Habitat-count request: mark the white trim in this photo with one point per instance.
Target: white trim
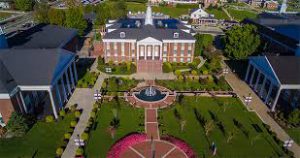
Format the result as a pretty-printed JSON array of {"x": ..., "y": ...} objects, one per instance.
[
  {"x": 179, "y": 41},
  {"x": 290, "y": 86},
  {"x": 273, "y": 70},
  {"x": 34, "y": 88},
  {"x": 4, "y": 96},
  {"x": 119, "y": 40},
  {"x": 52, "y": 103}
]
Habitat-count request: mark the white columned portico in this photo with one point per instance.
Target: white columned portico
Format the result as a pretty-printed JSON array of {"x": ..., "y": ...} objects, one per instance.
[
  {"x": 269, "y": 93},
  {"x": 52, "y": 103},
  {"x": 64, "y": 88},
  {"x": 247, "y": 73},
  {"x": 68, "y": 82},
  {"x": 263, "y": 86},
  {"x": 58, "y": 95},
  {"x": 23, "y": 102},
  {"x": 72, "y": 77},
  {"x": 257, "y": 81},
  {"x": 75, "y": 72},
  {"x": 276, "y": 99}
]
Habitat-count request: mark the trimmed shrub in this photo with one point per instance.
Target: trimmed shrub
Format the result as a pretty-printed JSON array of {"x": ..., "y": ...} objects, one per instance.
[
  {"x": 73, "y": 123},
  {"x": 85, "y": 136},
  {"x": 177, "y": 72},
  {"x": 59, "y": 151},
  {"x": 77, "y": 114},
  {"x": 49, "y": 118},
  {"x": 67, "y": 135},
  {"x": 73, "y": 107},
  {"x": 79, "y": 152},
  {"x": 93, "y": 114}
]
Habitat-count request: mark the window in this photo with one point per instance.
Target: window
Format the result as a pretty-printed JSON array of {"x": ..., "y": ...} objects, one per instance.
[
  {"x": 1, "y": 121},
  {"x": 176, "y": 35},
  {"x": 122, "y": 34},
  {"x": 164, "y": 59},
  {"x": 149, "y": 53},
  {"x": 181, "y": 60},
  {"x": 189, "y": 46},
  {"x": 189, "y": 53},
  {"x": 115, "y": 45},
  {"x": 107, "y": 46},
  {"x": 182, "y": 46},
  {"x": 174, "y": 60},
  {"x": 175, "y": 46},
  {"x": 107, "y": 53},
  {"x": 156, "y": 50},
  {"x": 122, "y": 49},
  {"x": 182, "y": 53},
  {"x": 188, "y": 59},
  {"x": 142, "y": 51}
]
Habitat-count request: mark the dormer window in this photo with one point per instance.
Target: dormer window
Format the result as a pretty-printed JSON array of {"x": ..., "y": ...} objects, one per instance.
[
  {"x": 176, "y": 35},
  {"x": 122, "y": 34}
]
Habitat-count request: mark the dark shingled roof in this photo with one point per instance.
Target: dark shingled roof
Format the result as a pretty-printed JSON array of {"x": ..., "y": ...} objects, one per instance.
[
  {"x": 287, "y": 68},
  {"x": 7, "y": 82},
  {"x": 32, "y": 66},
  {"x": 148, "y": 31},
  {"x": 42, "y": 36}
]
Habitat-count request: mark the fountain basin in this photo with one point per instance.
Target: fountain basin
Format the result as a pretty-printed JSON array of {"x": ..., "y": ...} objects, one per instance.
[{"x": 156, "y": 95}]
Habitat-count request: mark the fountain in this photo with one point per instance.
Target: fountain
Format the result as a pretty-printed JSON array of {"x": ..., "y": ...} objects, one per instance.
[
  {"x": 150, "y": 91},
  {"x": 150, "y": 94}
]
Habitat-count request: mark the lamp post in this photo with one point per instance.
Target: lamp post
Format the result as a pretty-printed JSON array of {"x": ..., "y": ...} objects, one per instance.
[{"x": 248, "y": 99}]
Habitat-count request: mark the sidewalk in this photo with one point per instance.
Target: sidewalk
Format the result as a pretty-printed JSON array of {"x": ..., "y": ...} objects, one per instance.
[
  {"x": 242, "y": 90},
  {"x": 84, "y": 97}
]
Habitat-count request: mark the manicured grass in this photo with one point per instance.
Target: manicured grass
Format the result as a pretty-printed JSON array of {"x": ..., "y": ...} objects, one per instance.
[
  {"x": 4, "y": 15},
  {"x": 295, "y": 134},
  {"x": 172, "y": 11},
  {"x": 42, "y": 140},
  {"x": 194, "y": 134},
  {"x": 218, "y": 13},
  {"x": 194, "y": 84},
  {"x": 100, "y": 139},
  {"x": 240, "y": 15},
  {"x": 114, "y": 84}
]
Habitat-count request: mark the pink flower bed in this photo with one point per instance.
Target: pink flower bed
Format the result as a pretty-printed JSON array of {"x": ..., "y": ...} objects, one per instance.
[
  {"x": 181, "y": 145},
  {"x": 124, "y": 143}
]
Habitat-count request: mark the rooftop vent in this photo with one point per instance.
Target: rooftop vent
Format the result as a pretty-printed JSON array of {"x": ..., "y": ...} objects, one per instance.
[
  {"x": 122, "y": 34},
  {"x": 176, "y": 35}
]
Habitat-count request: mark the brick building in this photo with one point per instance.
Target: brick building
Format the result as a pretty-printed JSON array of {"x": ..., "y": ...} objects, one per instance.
[
  {"x": 148, "y": 42},
  {"x": 38, "y": 71}
]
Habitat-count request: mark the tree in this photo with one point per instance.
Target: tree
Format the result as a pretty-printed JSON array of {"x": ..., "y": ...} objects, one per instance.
[
  {"x": 75, "y": 19},
  {"x": 294, "y": 117},
  {"x": 24, "y": 5},
  {"x": 41, "y": 12},
  {"x": 17, "y": 125},
  {"x": 102, "y": 13},
  {"x": 209, "y": 126},
  {"x": 57, "y": 16},
  {"x": 241, "y": 41},
  {"x": 203, "y": 42},
  {"x": 118, "y": 10}
]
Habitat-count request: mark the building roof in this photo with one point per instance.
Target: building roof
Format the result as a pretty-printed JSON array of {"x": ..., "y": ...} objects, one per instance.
[
  {"x": 42, "y": 36},
  {"x": 164, "y": 31},
  {"x": 286, "y": 68},
  {"x": 31, "y": 66}
]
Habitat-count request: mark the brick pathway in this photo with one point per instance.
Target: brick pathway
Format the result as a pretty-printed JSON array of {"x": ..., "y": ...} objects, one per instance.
[
  {"x": 151, "y": 124},
  {"x": 257, "y": 106}
]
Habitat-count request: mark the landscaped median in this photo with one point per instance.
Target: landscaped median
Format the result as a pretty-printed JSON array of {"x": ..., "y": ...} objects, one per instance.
[
  {"x": 42, "y": 140},
  {"x": 202, "y": 121},
  {"x": 113, "y": 121}
]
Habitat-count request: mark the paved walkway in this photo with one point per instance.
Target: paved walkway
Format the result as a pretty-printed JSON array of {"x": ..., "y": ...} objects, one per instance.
[
  {"x": 151, "y": 124},
  {"x": 242, "y": 90},
  {"x": 84, "y": 97}
]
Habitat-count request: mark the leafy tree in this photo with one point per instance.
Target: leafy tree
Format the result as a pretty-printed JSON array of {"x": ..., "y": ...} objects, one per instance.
[
  {"x": 17, "y": 125},
  {"x": 241, "y": 41},
  {"x": 74, "y": 19},
  {"x": 119, "y": 10},
  {"x": 203, "y": 42},
  {"x": 167, "y": 67},
  {"x": 41, "y": 12},
  {"x": 57, "y": 16},
  {"x": 294, "y": 117},
  {"x": 102, "y": 13},
  {"x": 24, "y": 5}
]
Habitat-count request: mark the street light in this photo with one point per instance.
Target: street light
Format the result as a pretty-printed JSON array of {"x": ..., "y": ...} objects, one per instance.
[{"x": 248, "y": 99}]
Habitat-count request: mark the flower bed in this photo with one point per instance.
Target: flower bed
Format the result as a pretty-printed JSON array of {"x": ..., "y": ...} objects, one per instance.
[
  {"x": 181, "y": 145},
  {"x": 124, "y": 143}
]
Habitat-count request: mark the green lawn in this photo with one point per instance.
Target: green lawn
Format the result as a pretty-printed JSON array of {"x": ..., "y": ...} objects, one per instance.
[
  {"x": 174, "y": 12},
  {"x": 194, "y": 84},
  {"x": 114, "y": 84},
  {"x": 100, "y": 140},
  {"x": 194, "y": 134},
  {"x": 240, "y": 15},
  {"x": 4, "y": 15},
  {"x": 41, "y": 141},
  {"x": 218, "y": 13},
  {"x": 295, "y": 134}
]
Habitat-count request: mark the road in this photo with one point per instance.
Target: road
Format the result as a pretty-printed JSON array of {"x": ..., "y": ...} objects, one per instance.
[{"x": 16, "y": 23}]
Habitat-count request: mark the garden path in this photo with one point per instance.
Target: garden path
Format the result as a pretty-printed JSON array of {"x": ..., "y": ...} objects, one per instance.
[
  {"x": 84, "y": 97},
  {"x": 242, "y": 90}
]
